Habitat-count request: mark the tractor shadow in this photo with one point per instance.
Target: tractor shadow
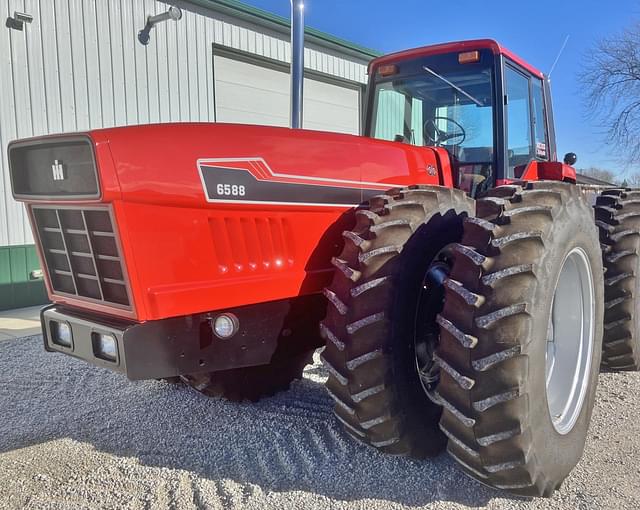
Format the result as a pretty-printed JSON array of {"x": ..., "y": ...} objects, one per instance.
[{"x": 289, "y": 442}]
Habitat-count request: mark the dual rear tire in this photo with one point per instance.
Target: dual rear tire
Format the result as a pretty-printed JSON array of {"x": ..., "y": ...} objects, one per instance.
[
  {"x": 517, "y": 370},
  {"x": 618, "y": 220}
]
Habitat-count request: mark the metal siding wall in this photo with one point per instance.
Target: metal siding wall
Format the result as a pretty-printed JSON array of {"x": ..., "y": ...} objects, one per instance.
[
  {"x": 17, "y": 289},
  {"x": 390, "y": 117},
  {"x": 79, "y": 66}
]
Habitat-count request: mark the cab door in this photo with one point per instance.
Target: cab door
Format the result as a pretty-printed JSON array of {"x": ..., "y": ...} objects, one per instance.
[{"x": 526, "y": 126}]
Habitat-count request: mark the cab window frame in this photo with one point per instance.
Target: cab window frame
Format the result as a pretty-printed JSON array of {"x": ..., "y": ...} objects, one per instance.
[
  {"x": 513, "y": 66},
  {"x": 545, "y": 120},
  {"x": 413, "y": 67}
]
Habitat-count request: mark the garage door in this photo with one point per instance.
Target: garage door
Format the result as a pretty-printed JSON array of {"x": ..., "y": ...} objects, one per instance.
[{"x": 253, "y": 94}]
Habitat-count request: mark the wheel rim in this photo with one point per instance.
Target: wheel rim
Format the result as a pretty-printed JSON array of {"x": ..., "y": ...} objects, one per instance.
[{"x": 570, "y": 341}]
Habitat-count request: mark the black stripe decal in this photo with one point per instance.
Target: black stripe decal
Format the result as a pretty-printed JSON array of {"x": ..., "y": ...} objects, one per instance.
[{"x": 215, "y": 178}]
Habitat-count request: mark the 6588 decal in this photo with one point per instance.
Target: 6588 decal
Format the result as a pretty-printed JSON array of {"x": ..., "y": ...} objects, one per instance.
[
  {"x": 251, "y": 181},
  {"x": 233, "y": 190}
]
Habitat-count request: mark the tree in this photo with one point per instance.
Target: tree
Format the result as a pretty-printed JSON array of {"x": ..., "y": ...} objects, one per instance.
[
  {"x": 633, "y": 180},
  {"x": 611, "y": 85}
]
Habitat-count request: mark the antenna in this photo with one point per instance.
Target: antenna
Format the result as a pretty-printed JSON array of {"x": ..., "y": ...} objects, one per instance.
[{"x": 566, "y": 40}]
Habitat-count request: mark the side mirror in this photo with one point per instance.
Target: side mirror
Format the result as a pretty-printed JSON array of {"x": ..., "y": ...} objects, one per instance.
[{"x": 570, "y": 158}]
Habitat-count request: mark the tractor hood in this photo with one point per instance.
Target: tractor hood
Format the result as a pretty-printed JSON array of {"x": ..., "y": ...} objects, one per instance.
[
  {"x": 195, "y": 164},
  {"x": 192, "y": 164}
]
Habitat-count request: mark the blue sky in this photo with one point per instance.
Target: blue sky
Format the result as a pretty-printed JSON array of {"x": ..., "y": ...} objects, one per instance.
[{"x": 533, "y": 30}]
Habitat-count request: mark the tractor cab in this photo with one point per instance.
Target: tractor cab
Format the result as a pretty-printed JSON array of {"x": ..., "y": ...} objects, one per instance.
[{"x": 489, "y": 109}]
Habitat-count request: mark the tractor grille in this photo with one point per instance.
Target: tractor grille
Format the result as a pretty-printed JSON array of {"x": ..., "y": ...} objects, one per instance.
[{"x": 82, "y": 253}]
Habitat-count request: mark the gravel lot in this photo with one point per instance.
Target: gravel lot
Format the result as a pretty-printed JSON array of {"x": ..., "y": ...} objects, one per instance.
[{"x": 75, "y": 436}]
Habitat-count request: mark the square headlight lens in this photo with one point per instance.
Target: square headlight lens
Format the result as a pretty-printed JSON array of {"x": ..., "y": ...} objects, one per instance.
[
  {"x": 61, "y": 334},
  {"x": 105, "y": 346}
]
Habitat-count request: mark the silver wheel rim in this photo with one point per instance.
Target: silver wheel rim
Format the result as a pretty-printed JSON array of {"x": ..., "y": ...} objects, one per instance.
[{"x": 570, "y": 341}]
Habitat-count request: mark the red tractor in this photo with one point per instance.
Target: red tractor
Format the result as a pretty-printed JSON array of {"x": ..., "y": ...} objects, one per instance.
[{"x": 451, "y": 264}]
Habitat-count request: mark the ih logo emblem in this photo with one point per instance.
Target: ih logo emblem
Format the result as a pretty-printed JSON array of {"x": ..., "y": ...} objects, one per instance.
[{"x": 58, "y": 170}]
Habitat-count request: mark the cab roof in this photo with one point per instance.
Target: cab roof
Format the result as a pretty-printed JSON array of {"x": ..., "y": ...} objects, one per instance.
[{"x": 452, "y": 47}]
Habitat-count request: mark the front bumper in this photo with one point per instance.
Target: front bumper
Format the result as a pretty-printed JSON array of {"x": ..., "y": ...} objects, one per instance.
[{"x": 186, "y": 345}]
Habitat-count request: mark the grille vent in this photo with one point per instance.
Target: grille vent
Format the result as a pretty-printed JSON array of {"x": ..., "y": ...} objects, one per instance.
[{"x": 82, "y": 254}]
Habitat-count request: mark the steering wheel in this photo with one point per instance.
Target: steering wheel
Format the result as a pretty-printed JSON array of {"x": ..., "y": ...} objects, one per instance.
[{"x": 443, "y": 135}]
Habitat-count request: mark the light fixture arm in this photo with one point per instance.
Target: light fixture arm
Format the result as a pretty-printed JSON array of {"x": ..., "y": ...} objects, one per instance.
[{"x": 174, "y": 13}]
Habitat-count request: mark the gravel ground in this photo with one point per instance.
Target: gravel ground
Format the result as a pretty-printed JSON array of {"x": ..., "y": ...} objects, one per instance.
[{"x": 75, "y": 436}]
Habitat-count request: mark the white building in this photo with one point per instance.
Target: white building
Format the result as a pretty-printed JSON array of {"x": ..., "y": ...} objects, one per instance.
[{"x": 78, "y": 65}]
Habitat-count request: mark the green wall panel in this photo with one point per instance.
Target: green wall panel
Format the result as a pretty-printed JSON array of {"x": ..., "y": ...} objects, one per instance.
[{"x": 17, "y": 288}]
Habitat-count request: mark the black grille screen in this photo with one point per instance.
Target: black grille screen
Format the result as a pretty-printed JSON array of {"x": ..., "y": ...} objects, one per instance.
[
  {"x": 82, "y": 254},
  {"x": 60, "y": 167}
]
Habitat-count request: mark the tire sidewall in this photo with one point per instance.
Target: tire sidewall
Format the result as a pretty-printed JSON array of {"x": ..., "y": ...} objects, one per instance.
[{"x": 561, "y": 452}]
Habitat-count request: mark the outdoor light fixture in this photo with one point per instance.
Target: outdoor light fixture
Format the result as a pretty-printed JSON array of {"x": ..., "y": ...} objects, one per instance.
[
  {"x": 174, "y": 13},
  {"x": 18, "y": 20},
  {"x": 36, "y": 274}
]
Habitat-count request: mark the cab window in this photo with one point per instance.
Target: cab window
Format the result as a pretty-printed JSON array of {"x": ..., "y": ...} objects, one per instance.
[
  {"x": 520, "y": 150},
  {"x": 437, "y": 101},
  {"x": 398, "y": 115},
  {"x": 540, "y": 122}
]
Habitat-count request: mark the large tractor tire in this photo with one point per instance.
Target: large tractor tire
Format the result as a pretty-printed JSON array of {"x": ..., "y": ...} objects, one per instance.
[
  {"x": 251, "y": 383},
  {"x": 371, "y": 324},
  {"x": 618, "y": 218},
  {"x": 521, "y": 333}
]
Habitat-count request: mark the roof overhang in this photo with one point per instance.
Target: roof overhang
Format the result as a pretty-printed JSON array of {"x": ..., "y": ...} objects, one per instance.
[{"x": 283, "y": 25}]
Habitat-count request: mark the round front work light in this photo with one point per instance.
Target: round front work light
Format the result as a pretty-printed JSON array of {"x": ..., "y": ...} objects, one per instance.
[{"x": 225, "y": 325}]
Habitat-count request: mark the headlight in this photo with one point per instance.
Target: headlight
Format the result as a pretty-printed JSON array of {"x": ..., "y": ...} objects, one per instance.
[
  {"x": 105, "y": 346},
  {"x": 61, "y": 334}
]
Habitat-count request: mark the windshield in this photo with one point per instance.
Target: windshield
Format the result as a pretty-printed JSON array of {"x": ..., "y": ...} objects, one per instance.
[{"x": 435, "y": 101}]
